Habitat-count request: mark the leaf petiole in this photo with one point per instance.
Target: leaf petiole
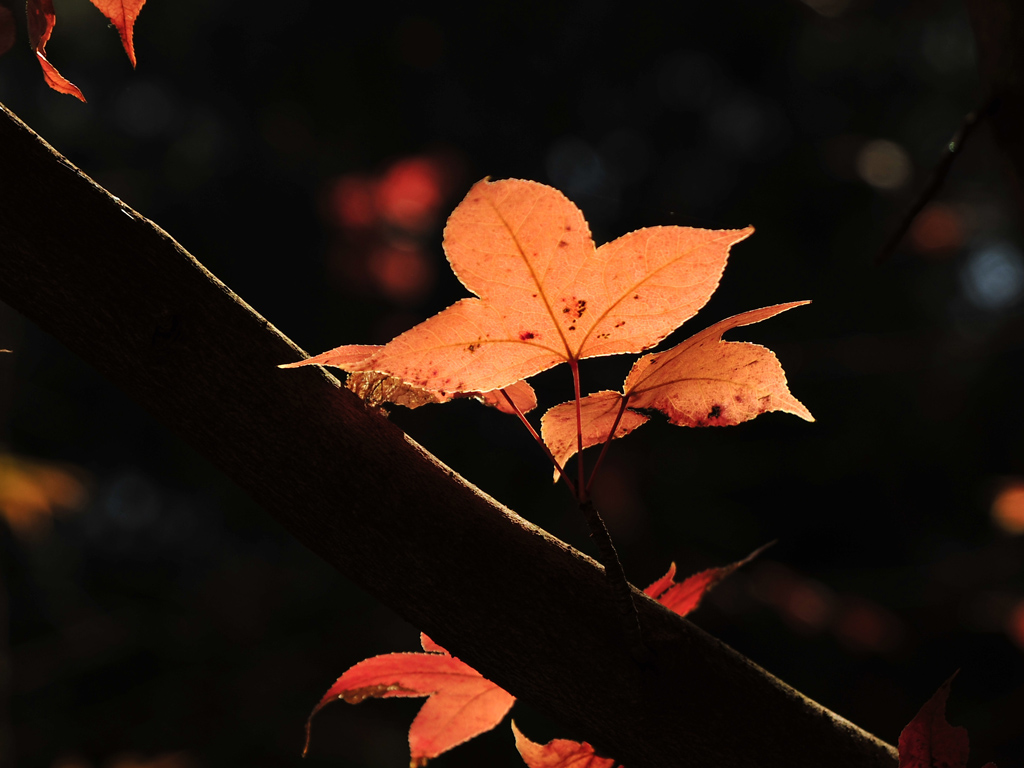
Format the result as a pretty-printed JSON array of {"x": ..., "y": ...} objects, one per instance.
[
  {"x": 540, "y": 442},
  {"x": 607, "y": 442},
  {"x": 582, "y": 495}
]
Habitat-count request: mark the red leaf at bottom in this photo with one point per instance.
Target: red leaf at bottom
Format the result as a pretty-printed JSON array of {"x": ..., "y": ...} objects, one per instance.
[
  {"x": 461, "y": 704},
  {"x": 929, "y": 741},
  {"x": 559, "y": 753}
]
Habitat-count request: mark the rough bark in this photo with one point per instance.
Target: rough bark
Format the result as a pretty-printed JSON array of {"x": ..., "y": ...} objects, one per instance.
[{"x": 525, "y": 609}]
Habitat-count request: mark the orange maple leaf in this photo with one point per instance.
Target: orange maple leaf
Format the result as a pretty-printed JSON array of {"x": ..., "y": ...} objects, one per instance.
[
  {"x": 546, "y": 295},
  {"x": 461, "y": 704},
  {"x": 702, "y": 382}
]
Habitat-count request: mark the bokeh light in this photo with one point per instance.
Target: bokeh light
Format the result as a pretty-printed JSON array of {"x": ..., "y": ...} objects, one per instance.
[
  {"x": 1008, "y": 507},
  {"x": 884, "y": 164}
]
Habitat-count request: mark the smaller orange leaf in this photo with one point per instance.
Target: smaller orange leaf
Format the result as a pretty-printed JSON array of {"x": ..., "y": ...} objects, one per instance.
[
  {"x": 707, "y": 382},
  {"x": 122, "y": 14},
  {"x": 702, "y": 382},
  {"x": 558, "y": 753},
  {"x": 597, "y": 414},
  {"x": 684, "y": 597},
  {"x": 460, "y": 704}
]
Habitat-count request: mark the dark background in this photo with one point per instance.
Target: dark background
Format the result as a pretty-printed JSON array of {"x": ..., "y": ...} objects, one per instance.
[{"x": 308, "y": 154}]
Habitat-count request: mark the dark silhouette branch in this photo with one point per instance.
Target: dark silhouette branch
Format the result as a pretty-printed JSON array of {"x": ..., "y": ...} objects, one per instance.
[
  {"x": 953, "y": 149},
  {"x": 528, "y": 611},
  {"x": 999, "y": 40}
]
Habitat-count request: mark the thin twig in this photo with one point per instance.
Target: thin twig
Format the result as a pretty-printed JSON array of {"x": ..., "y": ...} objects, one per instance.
[
  {"x": 579, "y": 432},
  {"x": 541, "y": 443},
  {"x": 622, "y": 593},
  {"x": 938, "y": 176},
  {"x": 607, "y": 442}
]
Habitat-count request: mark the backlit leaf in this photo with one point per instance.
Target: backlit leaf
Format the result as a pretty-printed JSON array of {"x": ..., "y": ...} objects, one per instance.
[
  {"x": 684, "y": 597},
  {"x": 122, "y": 14},
  {"x": 558, "y": 753},
  {"x": 709, "y": 382},
  {"x": 41, "y": 19},
  {"x": 929, "y": 741},
  {"x": 546, "y": 295},
  {"x": 703, "y": 382},
  {"x": 461, "y": 703},
  {"x": 597, "y": 414}
]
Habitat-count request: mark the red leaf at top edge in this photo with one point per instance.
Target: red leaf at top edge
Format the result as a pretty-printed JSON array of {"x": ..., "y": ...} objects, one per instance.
[{"x": 122, "y": 14}]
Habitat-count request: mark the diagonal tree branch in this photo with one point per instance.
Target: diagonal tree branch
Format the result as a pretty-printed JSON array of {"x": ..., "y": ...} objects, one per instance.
[{"x": 524, "y": 608}]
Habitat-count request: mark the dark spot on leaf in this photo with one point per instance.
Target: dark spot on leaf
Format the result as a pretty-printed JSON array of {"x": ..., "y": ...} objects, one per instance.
[
  {"x": 562, "y": 243},
  {"x": 568, "y": 228},
  {"x": 471, "y": 348},
  {"x": 572, "y": 327},
  {"x": 716, "y": 411},
  {"x": 636, "y": 295},
  {"x": 581, "y": 307},
  {"x": 565, "y": 310},
  {"x": 527, "y": 335},
  {"x": 739, "y": 399},
  {"x": 535, "y": 295},
  {"x": 620, "y": 323}
]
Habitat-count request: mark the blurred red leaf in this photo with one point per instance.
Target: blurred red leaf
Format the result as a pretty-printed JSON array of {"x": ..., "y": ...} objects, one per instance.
[
  {"x": 33, "y": 492},
  {"x": 41, "y": 20},
  {"x": 411, "y": 192},
  {"x": 702, "y": 382},
  {"x": 546, "y": 295},
  {"x": 461, "y": 703},
  {"x": 122, "y": 14},
  {"x": 684, "y": 597},
  {"x": 8, "y": 29},
  {"x": 929, "y": 741},
  {"x": 558, "y": 753}
]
